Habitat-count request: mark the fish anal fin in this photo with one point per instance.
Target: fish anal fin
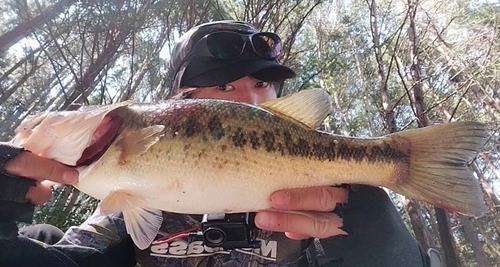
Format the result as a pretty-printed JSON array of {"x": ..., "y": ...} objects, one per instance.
[
  {"x": 134, "y": 142},
  {"x": 308, "y": 107},
  {"x": 120, "y": 200},
  {"x": 142, "y": 225}
]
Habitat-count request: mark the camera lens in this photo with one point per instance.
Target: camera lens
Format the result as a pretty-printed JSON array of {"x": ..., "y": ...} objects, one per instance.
[{"x": 215, "y": 236}]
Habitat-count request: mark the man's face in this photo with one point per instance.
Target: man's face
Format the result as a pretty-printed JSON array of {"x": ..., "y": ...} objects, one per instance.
[{"x": 247, "y": 90}]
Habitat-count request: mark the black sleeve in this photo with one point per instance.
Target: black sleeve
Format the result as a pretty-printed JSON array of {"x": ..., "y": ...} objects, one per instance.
[
  {"x": 376, "y": 236},
  {"x": 13, "y": 204}
]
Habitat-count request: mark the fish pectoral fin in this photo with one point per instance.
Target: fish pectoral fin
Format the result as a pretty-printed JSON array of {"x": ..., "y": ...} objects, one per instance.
[
  {"x": 120, "y": 201},
  {"x": 134, "y": 142},
  {"x": 316, "y": 215},
  {"x": 308, "y": 107},
  {"x": 142, "y": 225}
]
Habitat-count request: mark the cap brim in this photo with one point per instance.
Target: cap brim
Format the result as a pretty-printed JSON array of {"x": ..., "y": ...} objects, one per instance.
[{"x": 223, "y": 72}]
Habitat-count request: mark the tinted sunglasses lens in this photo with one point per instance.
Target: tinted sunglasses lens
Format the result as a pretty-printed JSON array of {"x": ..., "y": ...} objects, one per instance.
[
  {"x": 267, "y": 45},
  {"x": 225, "y": 45}
]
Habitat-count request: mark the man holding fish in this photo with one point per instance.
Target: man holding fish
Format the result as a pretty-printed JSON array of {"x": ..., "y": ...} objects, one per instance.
[{"x": 337, "y": 225}]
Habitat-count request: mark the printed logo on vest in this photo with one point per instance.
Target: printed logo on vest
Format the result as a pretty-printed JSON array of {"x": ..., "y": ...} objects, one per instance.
[{"x": 184, "y": 249}]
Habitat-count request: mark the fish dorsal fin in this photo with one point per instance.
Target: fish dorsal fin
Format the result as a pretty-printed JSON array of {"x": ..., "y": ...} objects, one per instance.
[{"x": 308, "y": 107}]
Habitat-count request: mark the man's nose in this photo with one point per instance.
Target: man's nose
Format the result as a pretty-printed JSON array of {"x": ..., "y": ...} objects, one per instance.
[
  {"x": 248, "y": 95},
  {"x": 249, "y": 98}
]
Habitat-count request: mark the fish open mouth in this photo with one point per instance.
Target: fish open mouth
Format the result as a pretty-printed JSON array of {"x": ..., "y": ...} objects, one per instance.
[{"x": 102, "y": 138}]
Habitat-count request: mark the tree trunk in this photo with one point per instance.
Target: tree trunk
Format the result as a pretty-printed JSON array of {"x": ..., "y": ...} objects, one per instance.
[
  {"x": 471, "y": 236},
  {"x": 116, "y": 36},
  {"x": 24, "y": 28},
  {"x": 490, "y": 165},
  {"x": 447, "y": 242},
  {"x": 29, "y": 57},
  {"x": 7, "y": 93},
  {"x": 366, "y": 100},
  {"x": 420, "y": 230},
  {"x": 412, "y": 206},
  {"x": 139, "y": 75},
  {"x": 9, "y": 125},
  {"x": 86, "y": 84},
  {"x": 461, "y": 73},
  {"x": 491, "y": 198},
  {"x": 388, "y": 112}
]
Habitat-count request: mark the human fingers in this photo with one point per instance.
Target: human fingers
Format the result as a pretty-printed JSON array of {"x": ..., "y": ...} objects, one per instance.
[
  {"x": 29, "y": 165},
  {"x": 295, "y": 236},
  {"x": 40, "y": 193},
  {"x": 299, "y": 226},
  {"x": 324, "y": 198}
]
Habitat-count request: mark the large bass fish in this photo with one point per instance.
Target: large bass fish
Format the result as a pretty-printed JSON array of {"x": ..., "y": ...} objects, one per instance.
[{"x": 198, "y": 156}]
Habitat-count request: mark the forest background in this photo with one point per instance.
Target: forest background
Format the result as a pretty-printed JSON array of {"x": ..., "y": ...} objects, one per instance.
[{"x": 389, "y": 65}]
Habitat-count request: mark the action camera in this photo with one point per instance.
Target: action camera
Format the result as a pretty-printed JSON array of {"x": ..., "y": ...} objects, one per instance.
[{"x": 229, "y": 230}]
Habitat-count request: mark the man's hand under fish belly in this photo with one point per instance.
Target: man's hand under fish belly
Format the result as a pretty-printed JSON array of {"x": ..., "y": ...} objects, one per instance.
[{"x": 298, "y": 226}]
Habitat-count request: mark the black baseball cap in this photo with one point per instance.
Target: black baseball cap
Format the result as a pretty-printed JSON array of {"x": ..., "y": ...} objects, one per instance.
[{"x": 203, "y": 71}]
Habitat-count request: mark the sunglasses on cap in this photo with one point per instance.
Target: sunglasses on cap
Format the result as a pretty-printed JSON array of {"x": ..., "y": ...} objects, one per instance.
[{"x": 230, "y": 45}]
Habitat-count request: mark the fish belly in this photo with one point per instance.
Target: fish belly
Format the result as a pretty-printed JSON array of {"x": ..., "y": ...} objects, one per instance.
[{"x": 206, "y": 178}]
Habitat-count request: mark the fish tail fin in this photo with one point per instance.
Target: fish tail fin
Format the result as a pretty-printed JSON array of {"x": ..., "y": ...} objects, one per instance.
[{"x": 438, "y": 166}]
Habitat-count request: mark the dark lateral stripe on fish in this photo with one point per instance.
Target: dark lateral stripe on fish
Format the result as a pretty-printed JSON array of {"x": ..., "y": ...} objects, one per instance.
[
  {"x": 282, "y": 141},
  {"x": 337, "y": 150}
]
